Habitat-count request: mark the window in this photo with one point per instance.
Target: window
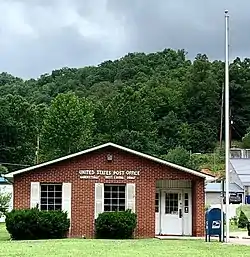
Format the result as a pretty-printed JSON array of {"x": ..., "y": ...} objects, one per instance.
[
  {"x": 51, "y": 197},
  {"x": 157, "y": 202},
  {"x": 171, "y": 203},
  {"x": 114, "y": 197},
  {"x": 186, "y": 203}
]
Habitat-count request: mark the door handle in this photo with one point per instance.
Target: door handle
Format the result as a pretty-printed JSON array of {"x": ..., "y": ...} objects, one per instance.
[{"x": 180, "y": 213}]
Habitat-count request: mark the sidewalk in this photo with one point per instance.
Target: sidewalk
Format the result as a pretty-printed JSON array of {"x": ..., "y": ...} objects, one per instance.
[
  {"x": 239, "y": 235},
  {"x": 240, "y": 241},
  {"x": 239, "y": 238},
  {"x": 234, "y": 236}
]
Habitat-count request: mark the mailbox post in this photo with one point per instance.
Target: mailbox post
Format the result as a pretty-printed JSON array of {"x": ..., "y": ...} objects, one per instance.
[{"x": 213, "y": 223}]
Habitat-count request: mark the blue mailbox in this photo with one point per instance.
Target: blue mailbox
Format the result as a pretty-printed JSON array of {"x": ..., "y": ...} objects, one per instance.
[{"x": 213, "y": 223}]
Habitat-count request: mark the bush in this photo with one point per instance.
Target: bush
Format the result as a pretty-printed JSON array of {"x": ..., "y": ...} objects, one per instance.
[
  {"x": 234, "y": 220},
  {"x": 115, "y": 225},
  {"x": 243, "y": 220},
  {"x": 30, "y": 224},
  {"x": 248, "y": 228}
]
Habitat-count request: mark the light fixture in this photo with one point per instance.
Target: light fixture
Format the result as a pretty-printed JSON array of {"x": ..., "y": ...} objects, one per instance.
[{"x": 109, "y": 157}]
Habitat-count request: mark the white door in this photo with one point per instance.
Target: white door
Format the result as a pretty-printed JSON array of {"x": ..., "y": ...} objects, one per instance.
[
  {"x": 171, "y": 213},
  {"x": 187, "y": 212}
]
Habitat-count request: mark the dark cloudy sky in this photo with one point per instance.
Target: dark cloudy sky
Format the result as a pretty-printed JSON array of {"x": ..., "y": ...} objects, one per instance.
[{"x": 37, "y": 36}]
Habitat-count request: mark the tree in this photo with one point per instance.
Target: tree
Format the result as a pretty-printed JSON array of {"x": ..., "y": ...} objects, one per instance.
[
  {"x": 17, "y": 130},
  {"x": 3, "y": 169},
  {"x": 150, "y": 102},
  {"x": 129, "y": 121},
  {"x": 68, "y": 126},
  {"x": 180, "y": 156},
  {"x": 243, "y": 220},
  {"x": 246, "y": 139},
  {"x": 4, "y": 202},
  {"x": 240, "y": 96},
  {"x": 201, "y": 94},
  {"x": 197, "y": 137}
]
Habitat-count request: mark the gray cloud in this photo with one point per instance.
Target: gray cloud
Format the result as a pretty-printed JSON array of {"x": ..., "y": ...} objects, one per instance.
[{"x": 37, "y": 36}]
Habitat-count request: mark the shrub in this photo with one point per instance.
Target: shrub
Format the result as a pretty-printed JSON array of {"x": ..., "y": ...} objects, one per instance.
[
  {"x": 243, "y": 220},
  {"x": 30, "y": 224},
  {"x": 115, "y": 225},
  {"x": 234, "y": 220},
  {"x": 248, "y": 228}
]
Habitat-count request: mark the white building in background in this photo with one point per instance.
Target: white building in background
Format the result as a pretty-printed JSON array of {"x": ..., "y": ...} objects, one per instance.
[
  {"x": 236, "y": 189},
  {"x": 240, "y": 161},
  {"x": 239, "y": 187},
  {"x": 213, "y": 194},
  {"x": 6, "y": 187},
  {"x": 239, "y": 182}
]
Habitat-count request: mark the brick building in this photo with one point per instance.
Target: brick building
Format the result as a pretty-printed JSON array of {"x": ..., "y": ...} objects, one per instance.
[{"x": 168, "y": 199}]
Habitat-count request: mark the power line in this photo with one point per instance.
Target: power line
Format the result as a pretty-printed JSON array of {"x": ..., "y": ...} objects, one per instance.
[{"x": 14, "y": 164}]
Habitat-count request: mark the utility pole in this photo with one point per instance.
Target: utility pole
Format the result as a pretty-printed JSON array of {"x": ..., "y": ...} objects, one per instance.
[
  {"x": 230, "y": 124},
  {"x": 221, "y": 115},
  {"x": 227, "y": 120},
  {"x": 37, "y": 150},
  {"x": 222, "y": 208}
]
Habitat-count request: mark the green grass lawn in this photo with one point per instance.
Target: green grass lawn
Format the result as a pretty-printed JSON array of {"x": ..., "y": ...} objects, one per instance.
[
  {"x": 111, "y": 248},
  {"x": 245, "y": 209},
  {"x": 234, "y": 228},
  {"x": 3, "y": 233}
]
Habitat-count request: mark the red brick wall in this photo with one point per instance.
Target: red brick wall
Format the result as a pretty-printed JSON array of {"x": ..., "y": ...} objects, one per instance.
[
  {"x": 198, "y": 207},
  {"x": 82, "y": 212}
]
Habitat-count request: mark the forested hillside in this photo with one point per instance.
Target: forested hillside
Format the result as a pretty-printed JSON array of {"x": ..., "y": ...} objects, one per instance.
[{"x": 158, "y": 103}]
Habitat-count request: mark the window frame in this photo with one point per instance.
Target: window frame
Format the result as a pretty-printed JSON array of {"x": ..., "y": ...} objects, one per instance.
[
  {"x": 54, "y": 198},
  {"x": 110, "y": 207},
  {"x": 171, "y": 204}
]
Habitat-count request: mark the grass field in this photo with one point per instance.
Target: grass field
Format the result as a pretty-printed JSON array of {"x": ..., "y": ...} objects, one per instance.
[{"x": 110, "y": 248}]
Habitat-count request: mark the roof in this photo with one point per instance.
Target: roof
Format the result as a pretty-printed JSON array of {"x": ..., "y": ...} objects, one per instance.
[
  {"x": 216, "y": 188},
  {"x": 242, "y": 168},
  {"x": 234, "y": 176},
  {"x": 3, "y": 180},
  {"x": 146, "y": 156}
]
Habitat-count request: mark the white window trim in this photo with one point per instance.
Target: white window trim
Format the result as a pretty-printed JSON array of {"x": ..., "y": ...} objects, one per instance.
[{"x": 35, "y": 195}]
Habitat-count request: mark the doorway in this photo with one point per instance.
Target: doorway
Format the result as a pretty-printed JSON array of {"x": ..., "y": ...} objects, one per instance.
[{"x": 173, "y": 212}]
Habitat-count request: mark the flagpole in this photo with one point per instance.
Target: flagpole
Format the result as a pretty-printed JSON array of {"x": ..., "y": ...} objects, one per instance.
[{"x": 227, "y": 136}]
